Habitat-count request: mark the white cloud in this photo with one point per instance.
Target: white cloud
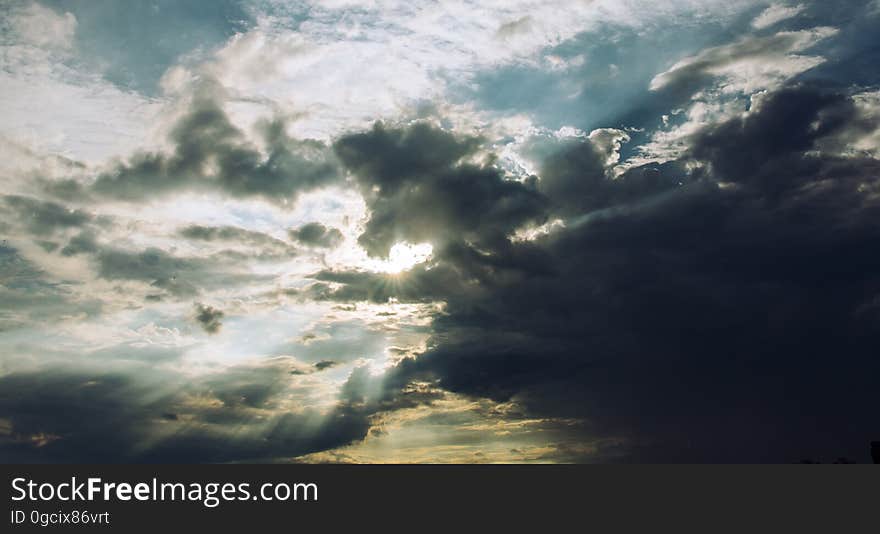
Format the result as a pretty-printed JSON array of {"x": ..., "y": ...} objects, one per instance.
[
  {"x": 863, "y": 140},
  {"x": 670, "y": 143},
  {"x": 62, "y": 113},
  {"x": 350, "y": 63},
  {"x": 607, "y": 141},
  {"x": 723, "y": 79},
  {"x": 775, "y": 14},
  {"x": 749, "y": 64},
  {"x": 353, "y": 62},
  {"x": 347, "y": 64},
  {"x": 40, "y": 26},
  {"x": 50, "y": 106}
]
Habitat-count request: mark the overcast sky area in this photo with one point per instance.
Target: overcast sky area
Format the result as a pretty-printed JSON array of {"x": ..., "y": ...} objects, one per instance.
[{"x": 416, "y": 231}]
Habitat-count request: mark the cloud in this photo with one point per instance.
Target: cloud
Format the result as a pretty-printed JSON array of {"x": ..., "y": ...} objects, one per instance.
[
  {"x": 418, "y": 51},
  {"x": 132, "y": 46},
  {"x": 579, "y": 175},
  {"x": 514, "y": 27},
  {"x": 441, "y": 427},
  {"x": 43, "y": 218},
  {"x": 341, "y": 341},
  {"x": 772, "y": 144},
  {"x": 324, "y": 364},
  {"x": 82, "y": 243},
  {"x": 513, "y": 264},
  {"x": 146, "y": 415},
  {"x": 40, "y": 26},
  {"x": 209, "y": 318},
  {"x": 153, "y": 265},
  {"x": 751, "y": 63},
  {"x": 43, "y": 73},
  {"x": 692, "y": 308},
  {"x": 211, "y": 154},
  {"x": 180, "y": 276},
  {"x": 316, "y": 235},
  {"x": 861, "y": 137},
  {"x": 775, "y": 14},
  {"x": 418, "y": 189},
  {"x": 260, "y": 244},
  {"x": 420, "y": 285},
  {"x": 29, "y": 297}
]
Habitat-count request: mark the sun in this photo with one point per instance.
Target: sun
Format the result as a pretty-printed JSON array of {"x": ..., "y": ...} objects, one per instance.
[{"x": 404, "y": 256}]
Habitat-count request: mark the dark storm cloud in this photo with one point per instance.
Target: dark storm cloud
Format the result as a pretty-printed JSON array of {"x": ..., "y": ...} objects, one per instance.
[
  {"x": 212, "y": 154},
  {"x": 136, "y": 413},
  {"x": 419, "y": 189},
  {"x": 774, "y": 147},
  {"x": 209, "y": 318},
  {"x": 316, "y": 235},
  {"x": 576, "y": 180},
  {"x": 854, "y": 52},
  {"x": 41, "y": 217},
  {"x": 723, "y": 313}
]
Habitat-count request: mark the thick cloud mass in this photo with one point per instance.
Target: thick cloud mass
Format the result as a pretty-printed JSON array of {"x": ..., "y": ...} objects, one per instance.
[
  {"x": 210, "y": 153},
  {"x": 67, "y": 415},
  {"x": 720, "y": 314},
  {"x": 598, "y": 231},
  {"x": 418, "y": 189}
]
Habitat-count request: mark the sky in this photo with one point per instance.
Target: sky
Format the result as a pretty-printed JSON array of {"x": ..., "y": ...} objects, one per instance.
[{"x": 386, "y": 231}]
